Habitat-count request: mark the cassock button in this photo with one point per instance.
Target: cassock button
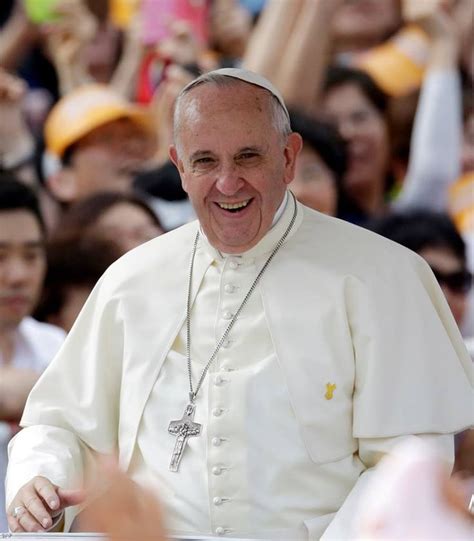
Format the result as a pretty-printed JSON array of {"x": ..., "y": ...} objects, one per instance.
[
  {"x": 216, "y": 470},
  {"x": 217, "y": 412},
  {"x": 217, "y": 500},
  {"x": 216, "y": 442},
  {"x": 227, "y": 315},
  {"x": 220, "y": 530},
  {"x": 233, "y": 265},
  {"x": 229, "y": 288}
]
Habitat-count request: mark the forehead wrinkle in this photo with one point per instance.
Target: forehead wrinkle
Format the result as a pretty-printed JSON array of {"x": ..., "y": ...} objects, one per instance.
[{"x": 195, "y": 103}]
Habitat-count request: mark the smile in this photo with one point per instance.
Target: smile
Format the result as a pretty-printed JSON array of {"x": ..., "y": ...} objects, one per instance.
[{"x": 234, "y": 207}]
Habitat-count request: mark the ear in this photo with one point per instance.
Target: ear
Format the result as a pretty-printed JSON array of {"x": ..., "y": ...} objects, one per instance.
[
  {"x": 292, "y": 149},
  {"x": 63, "y": 185},
  {"x": 173, "y": 154}
]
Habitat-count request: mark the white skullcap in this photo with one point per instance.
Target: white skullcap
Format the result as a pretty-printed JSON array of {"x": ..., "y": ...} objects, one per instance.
[{"x": 248, "y": 77}]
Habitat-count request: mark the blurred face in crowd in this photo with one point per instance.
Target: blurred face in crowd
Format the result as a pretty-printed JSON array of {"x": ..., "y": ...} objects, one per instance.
[
  {"x": 105, "y": 159},
  {"x": 234, "y": 164},
  {"x": 452, "y": 277},
  {"x": 22, "y": 265},
  {"x": 365, "y": 21},
  {"x": 127, "y": 225},
  {"x": 314, "y": 184},
  {"x": 365, "y": 131},
  {"x": 467, "y": 151}
]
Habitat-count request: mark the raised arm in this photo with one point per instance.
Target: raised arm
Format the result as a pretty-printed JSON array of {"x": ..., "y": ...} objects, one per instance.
[
  {"x": 290, "y": 46},
  {"x": 66, "y": 39},
  {"x": 270, "y": 37},
  {"x": 17, "y": 37},
  {"x": 435, "y": 149}
]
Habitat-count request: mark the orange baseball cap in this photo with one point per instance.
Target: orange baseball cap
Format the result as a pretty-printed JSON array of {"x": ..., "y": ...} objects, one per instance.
[
  {"x": 398, "y": 65},
  {"x": 85, "y": 109}
]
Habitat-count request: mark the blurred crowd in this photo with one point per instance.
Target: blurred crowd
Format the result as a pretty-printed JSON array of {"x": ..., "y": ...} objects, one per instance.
[{"x": 380, "y": 90}]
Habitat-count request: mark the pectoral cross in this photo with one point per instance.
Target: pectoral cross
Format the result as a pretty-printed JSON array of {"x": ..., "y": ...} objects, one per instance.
[{"x": 183, "y": 429}]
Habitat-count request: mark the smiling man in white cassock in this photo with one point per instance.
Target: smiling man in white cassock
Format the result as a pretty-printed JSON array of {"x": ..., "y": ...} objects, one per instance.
[{"x": 250, "y": 367}]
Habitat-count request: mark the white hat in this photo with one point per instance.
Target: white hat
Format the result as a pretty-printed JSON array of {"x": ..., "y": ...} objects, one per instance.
[{"x": 248, "y": 77}]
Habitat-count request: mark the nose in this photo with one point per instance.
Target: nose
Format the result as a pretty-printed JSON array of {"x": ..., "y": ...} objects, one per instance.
[
  {"x": 16, "y": 272},
  {"x": 228, "y": 180}
]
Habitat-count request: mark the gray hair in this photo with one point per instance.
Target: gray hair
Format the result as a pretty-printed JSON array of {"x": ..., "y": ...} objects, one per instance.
[{"x": 279, "y": 115}]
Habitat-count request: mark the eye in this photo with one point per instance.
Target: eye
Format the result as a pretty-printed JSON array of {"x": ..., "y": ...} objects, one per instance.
[
  {"x": 203, "y": 163},
  {"x": 361, "y": 116},
  {"x": 34, "y": 254},
  {"x": 247, "y": 157}
]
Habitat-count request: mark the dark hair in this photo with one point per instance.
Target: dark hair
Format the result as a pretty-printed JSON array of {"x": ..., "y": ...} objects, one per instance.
[
  {"x": 419, "y": 229},
  {"x": 72, "y": 261},
  {"x": 337, "y": 76},
  {"x": 324, "y": 139},
  {"x": 86, "y": 212},
  {"x": 15, "y": 195}
]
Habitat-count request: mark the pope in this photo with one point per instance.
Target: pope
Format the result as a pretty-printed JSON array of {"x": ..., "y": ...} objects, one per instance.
[{"x": 251, "y": 367}]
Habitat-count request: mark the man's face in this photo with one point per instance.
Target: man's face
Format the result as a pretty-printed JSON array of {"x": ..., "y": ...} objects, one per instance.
[
  {"x": 106, "y": 159},
  {"x": 22, "y": 265},
  {"x": 233, "y": 163}
]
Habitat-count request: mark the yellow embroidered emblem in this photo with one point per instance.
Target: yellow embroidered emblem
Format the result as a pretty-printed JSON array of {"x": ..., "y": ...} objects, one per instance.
[{"x": 329, "y": 390}]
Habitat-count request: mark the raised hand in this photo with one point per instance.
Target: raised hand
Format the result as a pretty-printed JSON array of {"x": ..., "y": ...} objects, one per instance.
[{"x": 16, "y": 140}]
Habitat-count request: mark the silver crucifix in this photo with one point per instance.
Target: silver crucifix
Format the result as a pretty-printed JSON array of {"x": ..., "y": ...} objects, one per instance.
[{"x": 183, "y": 429}]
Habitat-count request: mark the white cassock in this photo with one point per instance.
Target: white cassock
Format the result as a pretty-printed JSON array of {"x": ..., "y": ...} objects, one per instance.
[{"x": 346, "y": 346}]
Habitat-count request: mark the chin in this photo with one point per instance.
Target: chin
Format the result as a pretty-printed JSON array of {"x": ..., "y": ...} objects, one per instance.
[{"x": 10, "y": 321}]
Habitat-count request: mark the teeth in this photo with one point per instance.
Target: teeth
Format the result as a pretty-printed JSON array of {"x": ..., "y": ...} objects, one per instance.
[{"x": 234, "y": 206}]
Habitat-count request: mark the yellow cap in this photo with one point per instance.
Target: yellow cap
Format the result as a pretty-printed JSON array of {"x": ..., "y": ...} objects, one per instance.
[
  {"x": 461, "y": 202},
  {"x": 398, "y": 65},
  {"x": 85, "y": 109}
]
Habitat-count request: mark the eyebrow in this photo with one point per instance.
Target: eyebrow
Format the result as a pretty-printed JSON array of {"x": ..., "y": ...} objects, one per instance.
[
  {"x": 204, "y": 153},
  {"x": 258, "y": 149}
]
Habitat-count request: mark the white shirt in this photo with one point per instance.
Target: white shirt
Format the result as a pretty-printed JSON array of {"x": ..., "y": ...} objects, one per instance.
[{"x": 35, "y": 345}]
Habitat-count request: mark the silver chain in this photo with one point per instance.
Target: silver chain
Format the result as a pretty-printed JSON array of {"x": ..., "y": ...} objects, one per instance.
[{"x": 192, "y": 393}]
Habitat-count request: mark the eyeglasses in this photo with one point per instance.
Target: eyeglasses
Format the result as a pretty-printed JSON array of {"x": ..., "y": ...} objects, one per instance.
[{"x": 458, "y": 281}]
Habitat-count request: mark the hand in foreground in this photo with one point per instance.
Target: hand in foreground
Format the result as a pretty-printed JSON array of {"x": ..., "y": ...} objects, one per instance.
[
  {"x": 411, "y": 496},
  {"x": 37, "y": 503},
  {"x": 124, "y": 510}
]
